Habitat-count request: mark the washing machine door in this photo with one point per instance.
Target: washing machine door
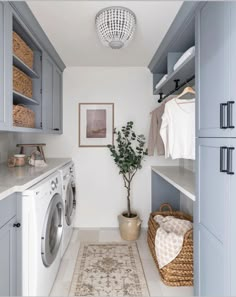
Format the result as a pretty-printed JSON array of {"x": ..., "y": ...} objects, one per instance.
[
  {"x": 70, "y": 202},
  {"x": 52, "y": 230}
]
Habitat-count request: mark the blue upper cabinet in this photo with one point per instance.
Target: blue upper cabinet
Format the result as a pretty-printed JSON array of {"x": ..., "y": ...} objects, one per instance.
[
  {"x": 45, "y": 101},
  {"x": 5, "y": 116},
  {"x": 52, "y": 96},
  {"x": 216, "y": 71},
  {"x": 57, "y": 100},
  {"x": 213, "y": 69}
]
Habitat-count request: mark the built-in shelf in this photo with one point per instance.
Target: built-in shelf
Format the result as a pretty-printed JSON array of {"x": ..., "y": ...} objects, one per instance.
[
  {"x": 183, "y": 72},
  {"x": 25, "y": 129},
  {"x": 179, "y": 177},
  {"x": 22, "y": 99},
  {"x": 22, "y": 66}
]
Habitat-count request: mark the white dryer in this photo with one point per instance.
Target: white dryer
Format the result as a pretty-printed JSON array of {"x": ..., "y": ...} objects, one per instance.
[
  {"x": 42, "y": 229},
  {"x": 69, "y": 200}
]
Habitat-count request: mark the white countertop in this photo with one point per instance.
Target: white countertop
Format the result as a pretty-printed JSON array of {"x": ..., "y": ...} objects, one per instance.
[
  {"x": 18, "y": 179},
  {"x": 181, "y": 178}
]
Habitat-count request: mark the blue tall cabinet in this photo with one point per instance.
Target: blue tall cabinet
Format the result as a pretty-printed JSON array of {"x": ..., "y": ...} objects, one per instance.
[
  {"x": 211, "y": 26},
  {"x": 215, "y": 220}
]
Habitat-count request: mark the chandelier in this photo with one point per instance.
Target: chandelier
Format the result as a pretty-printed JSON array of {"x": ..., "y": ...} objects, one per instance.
[{"x": 115, "y": 26}]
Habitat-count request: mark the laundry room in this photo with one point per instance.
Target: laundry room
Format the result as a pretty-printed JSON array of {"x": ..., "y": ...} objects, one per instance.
[{"x": 117, "y": 153}]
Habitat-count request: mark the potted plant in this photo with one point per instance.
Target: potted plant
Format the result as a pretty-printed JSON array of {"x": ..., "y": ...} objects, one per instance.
[{"x": 128, "y": 154}]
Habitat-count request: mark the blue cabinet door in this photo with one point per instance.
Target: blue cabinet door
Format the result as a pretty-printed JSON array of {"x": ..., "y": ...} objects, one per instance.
[
  {"x": 8, "y": 259},
  {"x": 5, "y": 66},
  {"x": 232, "y": 216},
  {"x": 52, "y": 96},
  {"x": 47, "y": 96},
  {"x": 213, "y": 191},
  {"x": 57, "y": 100},
  {"x": 232, "y": 96},
  {"x": 209, "y": 265},
  {"x": 213, "y": 68},
  {"x": 212, "y": 217}
]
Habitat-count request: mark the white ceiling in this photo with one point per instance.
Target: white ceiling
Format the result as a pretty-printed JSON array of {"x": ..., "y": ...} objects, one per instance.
[{"x": 71, "y": 28}]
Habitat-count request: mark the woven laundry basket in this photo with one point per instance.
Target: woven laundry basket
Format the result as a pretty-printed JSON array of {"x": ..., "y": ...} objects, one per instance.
[
  {"x": 22, "y": 83},
  {"x": 22, "y": 50},
  {"x": 23, "y": 116},
  {"x": 178, "y": 272}
]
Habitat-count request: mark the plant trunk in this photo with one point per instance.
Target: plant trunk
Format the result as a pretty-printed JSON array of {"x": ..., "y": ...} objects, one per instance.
[{"x": 128, "y": 200}]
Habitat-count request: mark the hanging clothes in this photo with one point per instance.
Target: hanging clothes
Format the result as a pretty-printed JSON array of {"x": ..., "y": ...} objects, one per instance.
[
  {"x": 154, "y": 139},
  {"x": 178, "y": 129}
]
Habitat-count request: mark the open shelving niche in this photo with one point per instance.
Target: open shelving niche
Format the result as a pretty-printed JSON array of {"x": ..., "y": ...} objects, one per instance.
[
  {"x": 174, "y": 184},
  {"x": 34, "y": 103},
  {"x": 169, "y": 182},
  {"x": 179, "y": 38}
]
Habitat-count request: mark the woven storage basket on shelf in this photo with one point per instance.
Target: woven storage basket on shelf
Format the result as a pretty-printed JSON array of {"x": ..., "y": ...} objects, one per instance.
[
  {"x": 23, "y": 116},
  {"x": 178, "y": 272},
  {"x": 22, "y": 50},
  {"x": 22, "y": 83}
]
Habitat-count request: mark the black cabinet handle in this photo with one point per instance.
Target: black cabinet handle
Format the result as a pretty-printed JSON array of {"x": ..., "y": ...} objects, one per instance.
[
  {"x": 56, "y": 129},
  {"x": 223, "y": 158},
  {"x": 230, "y": 114},
  {"x": 223, "y": 125},
  {"x": 230, "y": 160},
  {"x": 17, "y": 225}
]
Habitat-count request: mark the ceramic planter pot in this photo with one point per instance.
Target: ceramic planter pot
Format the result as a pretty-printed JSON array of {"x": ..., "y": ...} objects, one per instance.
[{"x": 129, "y": 227}]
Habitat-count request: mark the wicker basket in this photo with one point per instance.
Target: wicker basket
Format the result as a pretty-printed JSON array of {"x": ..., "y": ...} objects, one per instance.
[
  {"x": 22, "y": 83},
  {"x": 178, "y": 272},
  {"x": 22, "y": 50},
  {"x": 23, "y": 116}
]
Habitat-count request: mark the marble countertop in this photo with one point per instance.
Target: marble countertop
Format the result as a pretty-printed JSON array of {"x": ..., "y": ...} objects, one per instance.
[
  {"x": 18, "y": 179},
  {"x": 181, "y": 178}
]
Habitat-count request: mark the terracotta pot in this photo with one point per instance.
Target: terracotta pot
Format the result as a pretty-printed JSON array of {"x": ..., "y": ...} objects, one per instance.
[{"x": 129, "y": 227}]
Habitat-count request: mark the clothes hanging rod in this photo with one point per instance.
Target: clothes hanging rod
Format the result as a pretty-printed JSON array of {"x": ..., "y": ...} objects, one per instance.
[{"x": 177, "y": 87}]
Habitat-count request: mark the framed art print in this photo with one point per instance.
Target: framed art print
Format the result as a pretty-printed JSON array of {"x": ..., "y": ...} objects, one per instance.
[{"x": 96, "y": 124}]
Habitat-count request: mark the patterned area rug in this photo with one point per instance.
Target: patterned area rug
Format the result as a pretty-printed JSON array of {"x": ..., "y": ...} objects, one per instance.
[{"x": 108, "y": 269}]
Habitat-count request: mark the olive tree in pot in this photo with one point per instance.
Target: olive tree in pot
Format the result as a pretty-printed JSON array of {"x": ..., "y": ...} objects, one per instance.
[{"x": 128, "y": 154}]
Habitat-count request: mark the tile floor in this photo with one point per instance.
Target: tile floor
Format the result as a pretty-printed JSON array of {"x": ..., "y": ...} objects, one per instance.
[{"x": 156, "y": 287}]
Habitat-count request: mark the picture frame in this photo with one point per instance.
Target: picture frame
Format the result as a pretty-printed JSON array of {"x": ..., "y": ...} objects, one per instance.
[{"x": 96, "y": 124}]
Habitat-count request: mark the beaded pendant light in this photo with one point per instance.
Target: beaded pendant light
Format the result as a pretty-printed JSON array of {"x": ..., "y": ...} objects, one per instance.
[{"x": 115, "y": 26}]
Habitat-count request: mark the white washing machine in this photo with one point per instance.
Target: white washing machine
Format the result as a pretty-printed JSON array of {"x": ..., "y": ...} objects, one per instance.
[
  {"x": 69, "y": 200},
  {"x": 42, "y": 229}
]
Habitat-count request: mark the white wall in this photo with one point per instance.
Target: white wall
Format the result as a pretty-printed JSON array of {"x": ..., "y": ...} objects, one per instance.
[
  {"x": 100, "y": 189},
  {"x": 8, "y": 143}
]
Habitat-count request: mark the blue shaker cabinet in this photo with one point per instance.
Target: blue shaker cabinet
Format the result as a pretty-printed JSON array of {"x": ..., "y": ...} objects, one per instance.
[
  {"x": 52, "y": 96},
  {"x": 212, "y": 218},
  {"x": 213, "y": 76},
  {"x": 5, "y": 61},
  {"x": 10, "y": 238},
  {"x": 215, "y": 220}
]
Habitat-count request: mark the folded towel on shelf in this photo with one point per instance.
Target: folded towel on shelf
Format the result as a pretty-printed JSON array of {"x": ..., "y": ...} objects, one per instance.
[
  {"x": 169, "y": 238},
  {"x": 161, "y": 81},
  {"x": 184, "y": 57}
]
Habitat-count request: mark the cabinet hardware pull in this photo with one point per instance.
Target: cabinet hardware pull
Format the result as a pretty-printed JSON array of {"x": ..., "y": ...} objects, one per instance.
[
  {"x": 230, "y": 160},
  {"x": 230, "y": 114},
  {"x": 56, "y": 129},
  {"x": 223, "y": 163},
  {"x": 17, "y": 225},
  {"x": 222, "y": 116}
]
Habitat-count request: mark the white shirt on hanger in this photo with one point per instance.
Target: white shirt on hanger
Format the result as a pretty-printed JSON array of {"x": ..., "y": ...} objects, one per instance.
[{"x": 178, "y": 129}]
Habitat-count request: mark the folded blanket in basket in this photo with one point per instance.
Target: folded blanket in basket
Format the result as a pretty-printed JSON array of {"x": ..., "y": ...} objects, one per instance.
[{"x": 169, "y": 238}]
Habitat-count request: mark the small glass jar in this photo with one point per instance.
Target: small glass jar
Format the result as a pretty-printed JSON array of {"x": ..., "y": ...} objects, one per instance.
[{"x": 19, "y": 160}]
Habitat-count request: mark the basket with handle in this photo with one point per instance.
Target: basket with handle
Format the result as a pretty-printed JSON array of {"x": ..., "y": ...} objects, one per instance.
[
  {"x": 178, "y": 272},
  {"x": 23, "y": 116}
]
